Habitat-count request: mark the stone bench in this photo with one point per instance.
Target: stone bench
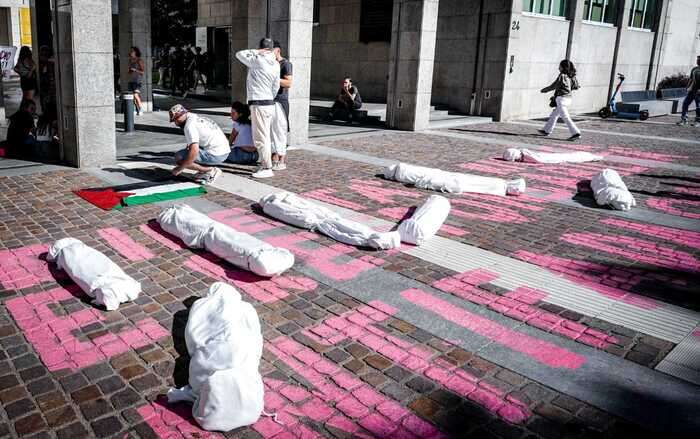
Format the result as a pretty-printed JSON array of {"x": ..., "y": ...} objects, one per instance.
[
  {"x": 675, "y": 96},
  {"x": 644, "y": 100}
]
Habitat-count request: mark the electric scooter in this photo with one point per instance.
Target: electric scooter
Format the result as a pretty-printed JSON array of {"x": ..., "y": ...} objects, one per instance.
[{"x": 611, "y": 109}]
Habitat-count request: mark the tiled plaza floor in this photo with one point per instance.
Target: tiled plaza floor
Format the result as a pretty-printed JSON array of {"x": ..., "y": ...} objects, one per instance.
[{"x": 361, "y": 343}]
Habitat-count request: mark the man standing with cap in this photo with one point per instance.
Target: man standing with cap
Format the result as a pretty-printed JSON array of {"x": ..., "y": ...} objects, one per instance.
[
  {"x": 207, "y": 145},
  {"x": 280, "y": 124},
  {"x": 262, "y": 84}
]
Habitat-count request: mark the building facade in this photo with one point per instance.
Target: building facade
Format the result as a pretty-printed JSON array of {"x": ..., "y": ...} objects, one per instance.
[
  {"x": 15, "y": 23},
  {"x": 491, "y": 57}
]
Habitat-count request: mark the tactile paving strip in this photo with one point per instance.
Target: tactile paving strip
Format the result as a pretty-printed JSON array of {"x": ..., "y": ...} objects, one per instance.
[{"x": 684, "y": 360}]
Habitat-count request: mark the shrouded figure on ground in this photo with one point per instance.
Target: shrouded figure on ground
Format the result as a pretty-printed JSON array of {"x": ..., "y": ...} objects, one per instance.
[
  {"x": 348, "y": 100},
  {"x": 262, "y": 85},
  {"x": 243, "y": 150},
  {"x": 565, "y": 83},
  {"x": 693, "y": 95},
  {"x": 280, "y": 125},
  {"x": 207, "y": 145}
]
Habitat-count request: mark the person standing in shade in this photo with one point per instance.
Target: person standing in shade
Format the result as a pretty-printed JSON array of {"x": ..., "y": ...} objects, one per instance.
[
  {"x": 280, "y": 124},
  {"x": 262, "y": 85},
  {"x": 693, "y": 95},
  {"x": 207, "y": 145},
  {"x": 177, "y": 67},
  {"x": 26, "y": 69},
  {"x": 136, "y": 70},
  {"x": 565, "y": 83}
]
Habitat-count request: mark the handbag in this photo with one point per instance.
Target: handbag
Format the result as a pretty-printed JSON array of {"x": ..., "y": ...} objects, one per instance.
[{"x": 553, "y": 102}]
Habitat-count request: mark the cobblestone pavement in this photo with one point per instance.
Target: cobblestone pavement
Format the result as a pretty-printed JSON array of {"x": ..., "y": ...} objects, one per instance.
[{"x": 362, "y": 343}]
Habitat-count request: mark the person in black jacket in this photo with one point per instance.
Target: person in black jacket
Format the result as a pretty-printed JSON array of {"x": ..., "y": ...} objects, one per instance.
[{"x": 348, "y": 100}]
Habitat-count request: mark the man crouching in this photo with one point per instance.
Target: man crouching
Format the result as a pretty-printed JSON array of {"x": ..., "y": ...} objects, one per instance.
[{"x": 207, "y": 145}]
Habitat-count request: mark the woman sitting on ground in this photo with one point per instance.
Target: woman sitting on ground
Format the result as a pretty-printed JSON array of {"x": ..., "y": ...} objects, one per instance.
[
  {"x": 243, "y": 151},
  {"x": 20, "y": 133}
]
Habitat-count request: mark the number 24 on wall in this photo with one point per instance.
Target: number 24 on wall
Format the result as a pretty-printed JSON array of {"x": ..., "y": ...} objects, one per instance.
[{"x": 515, "y": 25}]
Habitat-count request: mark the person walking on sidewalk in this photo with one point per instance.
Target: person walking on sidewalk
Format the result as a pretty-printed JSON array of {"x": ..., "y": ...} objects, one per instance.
[
  {"x": 136, "y": 70},
  {"x": 207, "y": 145},
  {"x": 280, "y": 124},
  {"x": 262, "y": 85},
  {"x": 693, "y": 95},
  {"x": 565, "y": 83}
]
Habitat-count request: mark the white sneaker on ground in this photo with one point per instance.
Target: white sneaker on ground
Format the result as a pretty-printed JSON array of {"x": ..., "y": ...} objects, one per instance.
[
  {"x": 211, "y": 176},
  {"x": 682, "y": 123},
  {"x": 279, "y": 166},
  {"x": 263, "y": 173}
]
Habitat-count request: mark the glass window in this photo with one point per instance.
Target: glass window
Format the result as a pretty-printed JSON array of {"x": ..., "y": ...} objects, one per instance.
[
  {"x": 601, "y": 11},
  {"x": 546, "y": 7},
  {"x": 643, "y": 14}
]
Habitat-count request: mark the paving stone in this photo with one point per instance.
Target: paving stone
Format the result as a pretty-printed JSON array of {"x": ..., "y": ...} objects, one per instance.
[
  {"x": 106, "y": 427},
  {"x": 86, "y": 394},
  {"x": 132, "y": 371},
  {"x": 553, "y": 413},
  {"x": 145, "y": 382},
  {"x": 73, "y": 382},
  {"x": 60, "y": 417},
  {"x": 357, "y": 351},
  {"x": 397, "y": 373},
  {"x": 95, "y": 409},
  {"x": 337, "y": 355},
  {"x": 29, "y": 424},
  {"x": 50, "y": 401},
  {"x": 420, "y": 384},
  {"x": 110, "y": 384},
  {"x": 33, "y": 373},
  {"x": 41, "y": 386},
  {"x": 397, "y": 392},
  {"x": 424, "y": 406},
  {"x": 97, "y": 371},
  {"x": 19, "y": 408},
  {"x": 378, "y": 362},
  {"x": 12, "y": 394},
  {"x": 125, "y": 398}
]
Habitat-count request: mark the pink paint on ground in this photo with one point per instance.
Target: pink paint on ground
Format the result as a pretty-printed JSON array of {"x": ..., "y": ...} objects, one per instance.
[
  {"x": 325, "y": 196},
  {"x": 637, "y": 154},
  {"x": 414, "y": 357},
  {"x": 243, "y": 221},
  {"x": 123, "y": 244},
  {"x": 637, "y": 250},
  {"x": 682, "y": 237},
  {"x": 399, "y": 213},
  {"x": 485, "y": 211},
  {"x": 259, "y": 288},
  {"x": 329, "y": 261},
  {"x": 170, "y": 421},
  {"x": 22, "y": 268},
  {"x": 155, "y": 231},
  {"x": 539, "y": 350},
  {"x": 53, "y": 336},
  {"x": 374, "y": 191},
  {"x": 335, "y": 404},
  {"x": 613, "y": 283},
  {"x": 519, "y": 305},
  {"x": 676, "y": 207}
]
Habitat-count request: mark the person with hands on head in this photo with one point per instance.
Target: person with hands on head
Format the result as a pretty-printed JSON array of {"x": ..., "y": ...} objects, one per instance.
[
  {"x": 207, "y": 145},
  {"x": 347, "y": 101}
]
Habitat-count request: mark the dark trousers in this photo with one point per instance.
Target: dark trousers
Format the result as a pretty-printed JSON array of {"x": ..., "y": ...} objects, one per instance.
[{"x": 692, "y": 96}]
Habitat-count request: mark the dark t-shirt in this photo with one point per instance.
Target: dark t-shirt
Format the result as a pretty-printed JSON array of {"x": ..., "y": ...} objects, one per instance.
[
  {"x": 285, "y": 70},
  {"x": 21, "y": 125}
]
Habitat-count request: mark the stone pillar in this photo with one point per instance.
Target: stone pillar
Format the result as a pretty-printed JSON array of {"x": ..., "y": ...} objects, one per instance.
[
  {"x": 247, "y": 27},
  {"x": 292, "y": 26},
  {"x": 135, "y": 30},
  {"x": 660, "y": 31},
  {"x": 411, "y": 60},
  {"x": 575, "y": 16},
  {"x": 623, "y": 17},
  {"x": 85, "y": 84}
]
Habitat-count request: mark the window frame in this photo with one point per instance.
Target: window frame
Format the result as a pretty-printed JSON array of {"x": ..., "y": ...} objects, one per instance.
[
  {"x": 633, "y": 9},
  {"x": 601, "y": 22},
  {"x": 529, "y": 10}
]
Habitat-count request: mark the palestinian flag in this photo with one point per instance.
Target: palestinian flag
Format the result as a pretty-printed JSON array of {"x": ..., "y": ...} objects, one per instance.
[{"x": 117, "y": 197}]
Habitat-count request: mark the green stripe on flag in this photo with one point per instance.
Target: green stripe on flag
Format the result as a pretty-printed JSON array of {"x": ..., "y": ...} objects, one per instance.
[{"x": 163, "y": 196}]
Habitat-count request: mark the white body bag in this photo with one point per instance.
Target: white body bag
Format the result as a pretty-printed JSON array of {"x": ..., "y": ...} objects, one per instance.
[
  {"x": 426, "y": 220},
  {"x": 609, "y": 190},
  {"x": 529, "y": 156}
]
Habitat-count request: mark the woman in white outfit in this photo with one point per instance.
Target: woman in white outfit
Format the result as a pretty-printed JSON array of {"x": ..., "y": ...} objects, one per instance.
[{"x": 565, "y": 83}]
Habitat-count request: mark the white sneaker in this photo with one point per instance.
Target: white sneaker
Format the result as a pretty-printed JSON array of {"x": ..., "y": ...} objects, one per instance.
[
  {"x": 211, "y": 176},
  {"x": 682, "y": 123},
  {"x": 263, "y": 173},
  {"x": 279, "y": 166},
  {"x": 200, "y": 176}
]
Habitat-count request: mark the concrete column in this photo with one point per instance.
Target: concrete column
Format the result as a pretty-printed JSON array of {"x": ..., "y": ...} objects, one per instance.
[
  {"x": 85, "y": 90},
  {"x": 247, "y": 27},
  {"x": 411, "y": 60},
  {"x": 135, "y": 30},
  {"x": 660, "y": 31},
  {"x": 292, "y": 26},
  {"x": 575, "y": 16},
  {"x": 623, "y": 17}
]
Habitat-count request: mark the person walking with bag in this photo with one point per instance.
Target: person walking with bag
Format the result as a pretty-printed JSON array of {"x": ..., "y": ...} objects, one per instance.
[{"x": 565, "y": 83}]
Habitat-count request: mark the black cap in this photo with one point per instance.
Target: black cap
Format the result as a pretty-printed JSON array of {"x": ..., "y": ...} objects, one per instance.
[
  {"x": 266, "y": 43},
  {"x": 277, "y": 44}
]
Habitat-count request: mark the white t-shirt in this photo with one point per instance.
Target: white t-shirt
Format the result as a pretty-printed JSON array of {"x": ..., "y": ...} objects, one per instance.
[
  {"x": 207, "y": 134},
  {"x": 245, "y": 135}
]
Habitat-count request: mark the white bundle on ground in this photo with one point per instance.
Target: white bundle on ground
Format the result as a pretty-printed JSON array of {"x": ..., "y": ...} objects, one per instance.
[
  {"x": 454, "y": 182},
  {"x": 225, "y": 342},
  {"x": 240, "y": 249},
  {"x": 529, "y": 156},
  {"x": 186, "y": 223},
  {"x": 609, "y": 190},
  {"x": 95, "y": 273},
  {"x": 299, "y": 212},
  {"x": 426, "y": 220}
]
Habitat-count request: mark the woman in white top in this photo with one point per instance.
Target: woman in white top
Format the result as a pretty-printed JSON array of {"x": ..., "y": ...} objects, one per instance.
[{"x": 243, "y": 151}]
